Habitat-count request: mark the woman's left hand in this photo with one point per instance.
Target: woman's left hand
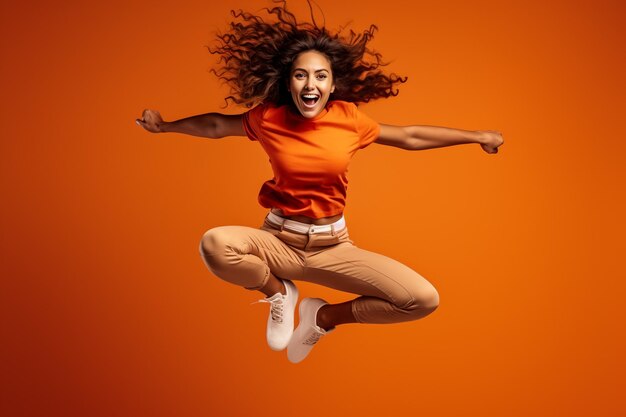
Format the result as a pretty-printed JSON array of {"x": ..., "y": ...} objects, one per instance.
[{"x": 490, "y": 140}]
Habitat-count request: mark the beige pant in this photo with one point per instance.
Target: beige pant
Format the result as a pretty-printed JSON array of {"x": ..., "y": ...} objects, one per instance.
[{"x": 390, "y": 291}]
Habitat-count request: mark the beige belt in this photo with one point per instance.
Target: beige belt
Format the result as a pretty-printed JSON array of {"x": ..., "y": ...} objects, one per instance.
[{"x": 305, "y": 228}]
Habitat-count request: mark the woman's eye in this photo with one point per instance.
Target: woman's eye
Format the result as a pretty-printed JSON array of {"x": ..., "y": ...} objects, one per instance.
[
  {"x": 322, "y": 76},
  {"x": 299, "y": 75}
]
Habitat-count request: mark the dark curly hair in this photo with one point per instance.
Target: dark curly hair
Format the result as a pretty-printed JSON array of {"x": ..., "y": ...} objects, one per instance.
[{"x": 255, "y": 58}]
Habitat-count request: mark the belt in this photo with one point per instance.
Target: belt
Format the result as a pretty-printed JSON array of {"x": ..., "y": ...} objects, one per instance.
[{"x": 305, "y": 228}]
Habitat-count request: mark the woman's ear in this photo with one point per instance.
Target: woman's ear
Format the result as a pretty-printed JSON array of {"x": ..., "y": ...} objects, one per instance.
[{"x": 332, "y": 89}]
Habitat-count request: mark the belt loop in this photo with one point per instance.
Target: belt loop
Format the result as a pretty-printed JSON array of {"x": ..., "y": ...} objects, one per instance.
[{"x": 332, "y": 230}]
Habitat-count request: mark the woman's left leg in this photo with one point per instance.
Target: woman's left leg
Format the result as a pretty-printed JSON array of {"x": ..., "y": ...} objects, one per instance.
[{"x": 391, "y": 292}]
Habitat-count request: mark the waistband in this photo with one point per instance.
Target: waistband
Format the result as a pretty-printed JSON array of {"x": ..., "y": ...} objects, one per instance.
[{"x": 305, "y": 228}]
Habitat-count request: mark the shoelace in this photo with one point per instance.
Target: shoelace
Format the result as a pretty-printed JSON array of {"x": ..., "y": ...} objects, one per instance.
[
  {"x": 313, "y": 338},
  {"x": 276, "y": 309}
]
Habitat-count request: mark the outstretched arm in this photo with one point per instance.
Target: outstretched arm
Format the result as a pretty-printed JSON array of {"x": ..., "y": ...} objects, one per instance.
[
  {"x": 209, "y": 125},
  {"x": 414, "y": 138}
]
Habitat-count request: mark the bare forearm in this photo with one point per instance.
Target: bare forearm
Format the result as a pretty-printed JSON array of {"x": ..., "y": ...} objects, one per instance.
[
  {"x": 427, "y": 137},
  {"x": 203, "y": 125}
]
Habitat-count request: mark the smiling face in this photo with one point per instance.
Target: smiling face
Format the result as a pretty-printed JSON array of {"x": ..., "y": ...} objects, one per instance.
[{"x": 310, "y": 83}]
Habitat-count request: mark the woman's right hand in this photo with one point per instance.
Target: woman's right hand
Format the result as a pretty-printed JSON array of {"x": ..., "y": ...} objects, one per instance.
[
  {"x": 490, "y": 140},
  {"x": 151, "y": 120}
]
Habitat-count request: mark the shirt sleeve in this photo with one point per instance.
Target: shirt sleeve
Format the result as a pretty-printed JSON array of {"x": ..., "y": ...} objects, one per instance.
[
  {"x": 252, "y": 122},
  {"x": 367, "y": 128}
]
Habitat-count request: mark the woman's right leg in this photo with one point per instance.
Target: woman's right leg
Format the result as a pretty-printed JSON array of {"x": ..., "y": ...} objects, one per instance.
[{"x": 249, "y": 257}]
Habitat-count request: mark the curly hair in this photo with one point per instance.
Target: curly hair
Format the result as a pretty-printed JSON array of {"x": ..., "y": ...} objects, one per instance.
[{"x": 256, "y": 56}]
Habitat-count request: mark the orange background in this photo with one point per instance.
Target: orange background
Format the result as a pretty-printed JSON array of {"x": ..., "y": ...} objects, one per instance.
[{"x": 107, "y": 309}]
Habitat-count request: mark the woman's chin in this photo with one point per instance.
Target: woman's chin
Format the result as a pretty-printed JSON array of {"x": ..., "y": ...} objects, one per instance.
[{"x": 310, "y": 112}]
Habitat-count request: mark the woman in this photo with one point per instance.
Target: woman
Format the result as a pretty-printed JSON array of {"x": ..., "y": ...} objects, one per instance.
[{"x": 303, "y": 81}]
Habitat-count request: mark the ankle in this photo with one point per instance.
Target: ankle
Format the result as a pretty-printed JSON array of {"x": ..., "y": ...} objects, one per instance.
[
  {"x": 279, "y": 287},
  {"x": 322, "y": 320},
  {"x": 274, "y": 286}
]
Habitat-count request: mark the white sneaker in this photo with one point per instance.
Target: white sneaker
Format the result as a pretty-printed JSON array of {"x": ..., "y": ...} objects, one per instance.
[
  {"x": 308, "y": 332},
  {"x": 281, "y": 318}
]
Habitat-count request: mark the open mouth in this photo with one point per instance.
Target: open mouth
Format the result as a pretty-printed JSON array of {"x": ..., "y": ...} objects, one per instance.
[{"x": 309, "y": 100}]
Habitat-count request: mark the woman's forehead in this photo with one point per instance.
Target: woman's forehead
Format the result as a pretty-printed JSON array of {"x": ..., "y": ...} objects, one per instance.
[{"x": 311, "y": 60}]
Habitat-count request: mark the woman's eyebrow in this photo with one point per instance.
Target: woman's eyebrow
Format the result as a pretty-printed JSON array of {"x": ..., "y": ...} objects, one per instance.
[{"x": 316, "y": 71}]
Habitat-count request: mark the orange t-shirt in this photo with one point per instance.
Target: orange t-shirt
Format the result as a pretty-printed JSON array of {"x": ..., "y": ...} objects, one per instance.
[{"x": 309, "y": 157}]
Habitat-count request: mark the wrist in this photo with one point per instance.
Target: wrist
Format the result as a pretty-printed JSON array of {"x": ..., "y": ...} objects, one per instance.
[
  {"x": 477, "y": 136},
  {"x": 165, "y": 127}
]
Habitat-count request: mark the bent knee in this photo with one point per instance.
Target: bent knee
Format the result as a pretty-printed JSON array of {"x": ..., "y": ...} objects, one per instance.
[
  {"x": 215, "y": 250},
  {"x": 432, "y": 301},
  {"x": 214, "y": 241},
  {"x": 424, "y": 299}
]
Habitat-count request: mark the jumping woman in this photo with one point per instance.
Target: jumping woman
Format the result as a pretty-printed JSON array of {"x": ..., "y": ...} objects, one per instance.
[{"x": 301, "y": 84}]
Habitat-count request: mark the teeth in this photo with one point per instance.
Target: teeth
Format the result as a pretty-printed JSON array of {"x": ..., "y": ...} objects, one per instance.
[{"x": 309, "y": 96}]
